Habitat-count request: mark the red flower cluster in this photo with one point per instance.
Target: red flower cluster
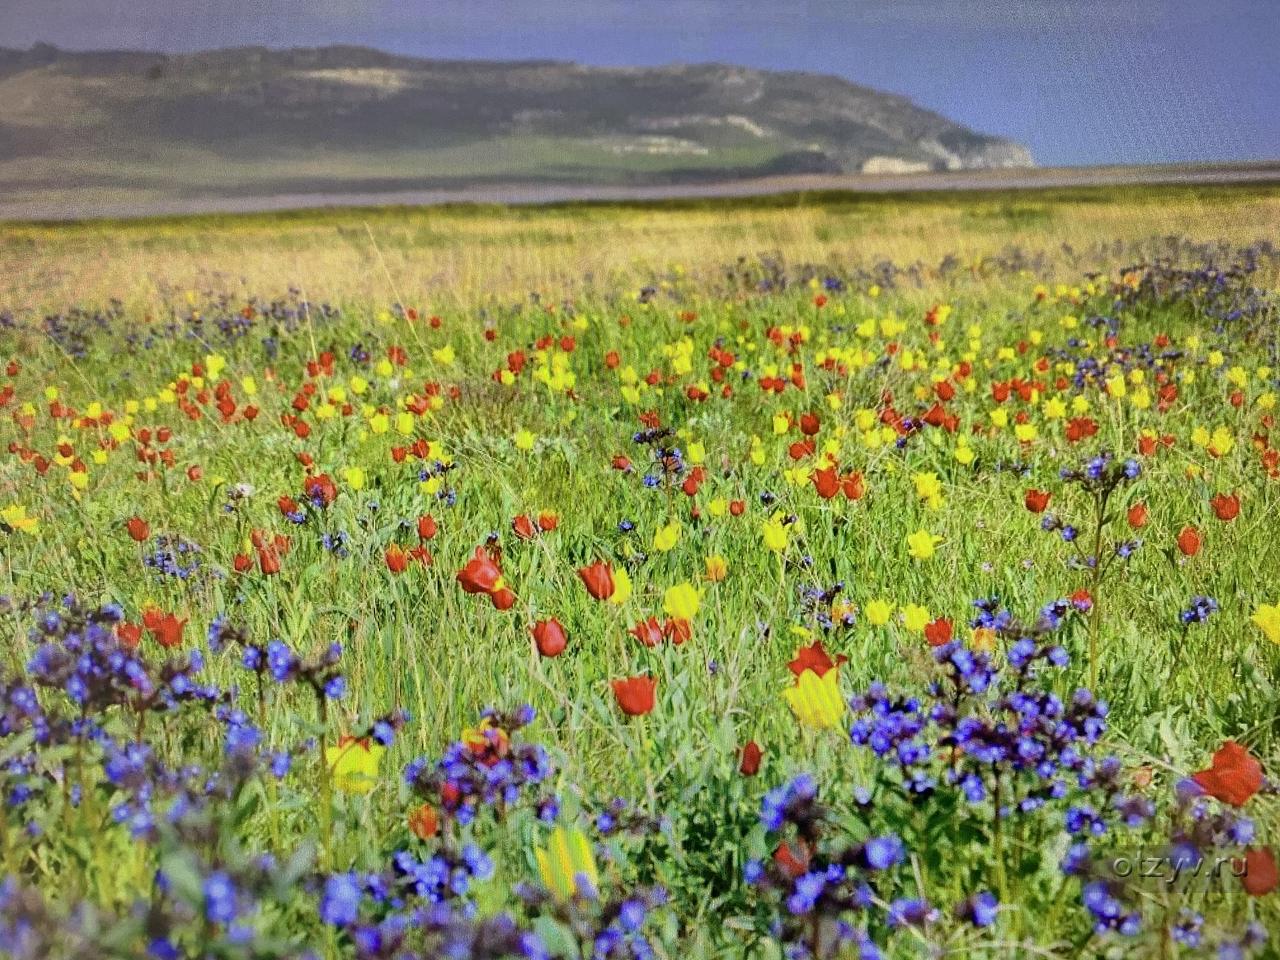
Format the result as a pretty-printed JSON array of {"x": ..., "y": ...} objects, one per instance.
[
  {"x": 483, "y": 574},
  {"x": 1233, "y": 777},
  {"x": 828, "y": 482},
  {"x": 165, "y": 627},
  {"x": 815, "y": 658}
]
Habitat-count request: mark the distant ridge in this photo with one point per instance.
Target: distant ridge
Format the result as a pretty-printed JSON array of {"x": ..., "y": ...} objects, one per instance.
[{"x": 252, "y": 121}]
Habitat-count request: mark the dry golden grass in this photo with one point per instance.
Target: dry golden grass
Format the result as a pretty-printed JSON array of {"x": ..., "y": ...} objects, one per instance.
[{"x": 459, "y": 256}]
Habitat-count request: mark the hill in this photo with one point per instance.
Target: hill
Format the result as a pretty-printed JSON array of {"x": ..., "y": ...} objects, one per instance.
[{"x": 257, "y": 122}]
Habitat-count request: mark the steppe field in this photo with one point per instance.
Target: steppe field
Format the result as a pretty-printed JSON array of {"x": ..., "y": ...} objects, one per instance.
[{"x": 811, "y": 576}]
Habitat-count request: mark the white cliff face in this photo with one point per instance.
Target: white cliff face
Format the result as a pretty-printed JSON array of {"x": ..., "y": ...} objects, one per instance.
[
  {"x": 993, "y": 155},
  {"x": 891, "y": 165},
  {"x": 1000, "y": 155}
]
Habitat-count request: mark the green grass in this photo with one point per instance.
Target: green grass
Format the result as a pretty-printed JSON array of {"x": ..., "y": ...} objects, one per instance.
[{"x": 415, "y": 640}]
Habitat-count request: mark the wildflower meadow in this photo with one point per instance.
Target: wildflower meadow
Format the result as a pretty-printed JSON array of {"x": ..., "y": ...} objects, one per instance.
[{"x": 878, "y": 578}]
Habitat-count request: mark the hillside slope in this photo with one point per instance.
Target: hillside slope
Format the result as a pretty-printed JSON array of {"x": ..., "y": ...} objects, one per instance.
[{"x": 251, "y": 121}]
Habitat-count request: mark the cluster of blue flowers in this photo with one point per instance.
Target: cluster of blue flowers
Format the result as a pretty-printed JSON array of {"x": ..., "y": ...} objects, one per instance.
[
  {"x": 1100, "y": 477},
  {"x": 277, "y": 660},
  {"x": 1198, "y": 610},
  {"x": 1197, "y": 842},
  {"x": 666, "y": 461},
  {"x": 820, "y": 892},
  {"x": 173, "y": 556},
  {"x": 487, "y": 769},
  {"x": 609, "y": 927},
  {"x": 816, "y": 605}
]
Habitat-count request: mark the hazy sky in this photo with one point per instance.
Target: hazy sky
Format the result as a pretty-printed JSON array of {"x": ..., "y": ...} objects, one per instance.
[{"x": 1079, "y": 81}]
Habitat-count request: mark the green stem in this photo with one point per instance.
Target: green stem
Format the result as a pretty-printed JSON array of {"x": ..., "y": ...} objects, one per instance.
[
  {"x": 1095, "y": 612},
  {"x": 326, "y": 787}
]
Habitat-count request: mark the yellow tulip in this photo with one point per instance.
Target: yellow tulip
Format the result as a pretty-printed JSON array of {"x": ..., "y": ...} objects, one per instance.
[
  {"x": 816, "y": 700},
  {"x": 914, "y": 617},
  {"x": 923, "y": 544},
  {"x": 354, "y": 764},
  {"x": 15, "y": 517},
  {"x": 929, "y": 489},
  {"x": 567, "y": 865},
  {"x": 878, "y": 612},
  {"x": 1267, "y": 618},
  {"x": 717, "y": 568},
  {"x": 681, "y": 601},
  {"x": 621, "y": 585},
  {"x": 667, "y": 537},
  {"x": 774, "y": 534}
]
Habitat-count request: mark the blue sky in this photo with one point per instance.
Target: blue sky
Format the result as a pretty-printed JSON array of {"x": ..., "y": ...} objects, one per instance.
[{"x": 1078, "y": 81}]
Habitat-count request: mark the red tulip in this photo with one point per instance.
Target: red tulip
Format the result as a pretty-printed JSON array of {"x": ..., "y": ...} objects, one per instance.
[
  {"x": 138, "y": 529},
  {"x": 1259, "y": 875},
  {"x": 1226, "y": 506},
  {"x": 320, "y": 487},
  {"x": 481, "y": 574},
  {"x": 396, "y": 558},
  {"x": 1036, "y": 500},
  {"x": 826, "y": 482},
  {"x": 648, "y": 632},
  {"x": 815, "y": 658},
  {"x": 793, "y": 859},
  {"x": 1189, "y": 541},
  {"x": 524, "y": 528},
  {"x": 1138, "y": 515},
  {"x": 852, "y": 485},
  {"x": 242, "y": 563},
  {"x": 424, "y": 822},
  {"x": 1080, "y": 428},
  {"x": 130, "y": 635},
  {"x": 268, "y": 560},
  {"x": 677, "y": 631},
  {"x": 635, "y": 695},
  {"x": 427, "y": 527},
  {"x": 549, "y": 637},
  {"x": 749, "y": 765},
  {"x": 598, "y": 579},
  {"x": 165, "y": 627},
  {"x": 737, "y": 507},
  {"x": 799, "y": 450},
  {"x": 1233, "y": 777},
  {"x": 937, "y": 632},
  {"x": 548, "y": 521},
  {"x": 502, "y": 599},
  {"x": 809, "y": 424}
]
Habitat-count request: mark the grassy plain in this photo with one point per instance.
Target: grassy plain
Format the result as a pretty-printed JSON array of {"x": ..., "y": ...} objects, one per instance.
[{"x": 134, "y": 304}]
